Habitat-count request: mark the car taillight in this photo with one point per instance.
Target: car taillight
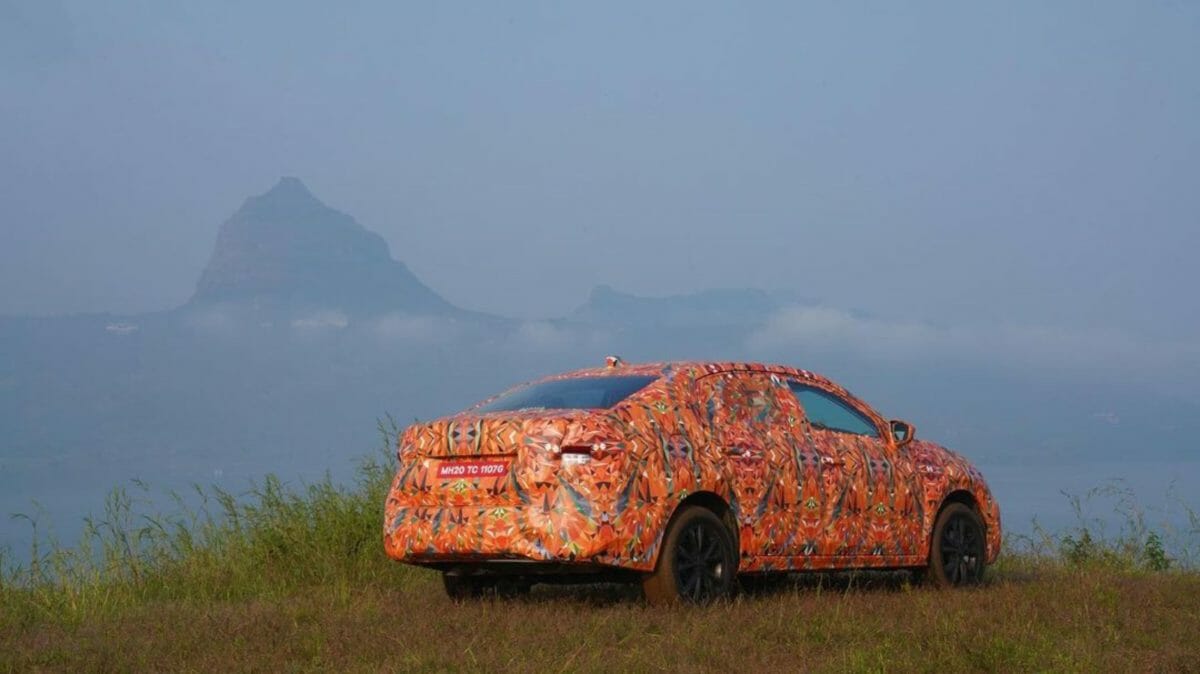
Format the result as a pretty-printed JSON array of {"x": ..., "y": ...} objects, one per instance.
[{"x": 578, "y": 454}]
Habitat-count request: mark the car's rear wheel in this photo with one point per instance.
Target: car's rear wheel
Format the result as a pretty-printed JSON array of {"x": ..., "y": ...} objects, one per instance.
[
  {"x": 957, "y": 552},
  {"x": 698, "y": 561}
]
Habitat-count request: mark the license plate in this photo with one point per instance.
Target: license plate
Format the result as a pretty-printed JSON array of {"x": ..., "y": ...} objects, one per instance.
[{"x": 468, "y": 470}]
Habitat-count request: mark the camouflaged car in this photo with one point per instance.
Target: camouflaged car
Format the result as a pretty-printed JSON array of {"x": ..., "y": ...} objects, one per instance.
[{"x": 684, "y": 477}]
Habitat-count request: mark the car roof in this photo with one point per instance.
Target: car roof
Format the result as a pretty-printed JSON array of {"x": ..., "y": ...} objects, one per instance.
[
  {"x": 708, "y": 367},
  {"x": 717, "y": 367}
]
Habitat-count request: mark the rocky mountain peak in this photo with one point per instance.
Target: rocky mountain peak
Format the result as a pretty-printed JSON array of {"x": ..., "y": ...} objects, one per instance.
[
  {"x": 289, "y": 193},
  {"x": 286, "y": 249}
]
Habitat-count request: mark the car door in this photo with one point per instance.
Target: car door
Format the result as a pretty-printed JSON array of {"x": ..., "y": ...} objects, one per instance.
[
  {"x": 749, "y": 421},
  {"x": 840, "y": 458}
]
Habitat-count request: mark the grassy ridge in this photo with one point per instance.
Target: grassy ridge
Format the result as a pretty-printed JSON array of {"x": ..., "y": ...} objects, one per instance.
[{"x": 296, "y": 579}]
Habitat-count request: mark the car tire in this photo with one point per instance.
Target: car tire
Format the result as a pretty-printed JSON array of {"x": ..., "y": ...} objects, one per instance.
[
  {"x": 697, "y": 563},
  {"x": 957, "y": 548}
]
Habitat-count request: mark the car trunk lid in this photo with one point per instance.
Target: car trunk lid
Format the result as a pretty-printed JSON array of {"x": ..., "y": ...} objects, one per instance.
[{"x": 491, "y": 459}]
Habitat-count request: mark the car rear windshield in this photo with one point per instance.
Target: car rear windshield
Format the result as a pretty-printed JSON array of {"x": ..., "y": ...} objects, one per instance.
[{"x": 579, "y": 393}]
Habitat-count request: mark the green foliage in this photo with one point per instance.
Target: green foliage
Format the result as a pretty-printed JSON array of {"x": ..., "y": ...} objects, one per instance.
[
  {"x": 1133, "y": 547},
  {"x": 1154, "y": 553},
  {"x": 1079, "y": 551},
  {"x": 272, "y": 541}
]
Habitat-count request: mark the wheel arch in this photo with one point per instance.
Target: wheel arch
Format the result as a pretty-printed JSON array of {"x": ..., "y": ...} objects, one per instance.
[
  {"x": 710, "y": 501},
  {"x": 962, "y": 496}
]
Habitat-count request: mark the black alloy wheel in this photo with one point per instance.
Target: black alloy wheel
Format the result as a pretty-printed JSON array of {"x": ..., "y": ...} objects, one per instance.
[
  {"x": 698, "y": 561},
  {"x": 959, "y": 547}
]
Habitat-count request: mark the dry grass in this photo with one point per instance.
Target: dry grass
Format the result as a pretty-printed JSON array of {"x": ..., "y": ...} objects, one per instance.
[
  {"x": 292, "y": 579},
  {"x": 1039, "y": 620}
]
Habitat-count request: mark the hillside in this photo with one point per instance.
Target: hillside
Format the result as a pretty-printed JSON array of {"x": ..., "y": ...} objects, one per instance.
[
  {"x": 286, "y": 250},
  {"x": 704, "y": 309}
]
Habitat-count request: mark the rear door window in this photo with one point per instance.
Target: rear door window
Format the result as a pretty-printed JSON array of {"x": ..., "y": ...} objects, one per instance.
[
  {"x": 576, "y": 393},
  {"x": 827, "y": 411}
]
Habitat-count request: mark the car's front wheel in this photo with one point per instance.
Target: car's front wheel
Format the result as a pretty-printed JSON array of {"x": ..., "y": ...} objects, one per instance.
[
  {"x": 957, "y": 552},
  {"x": 698, "y": 561}
]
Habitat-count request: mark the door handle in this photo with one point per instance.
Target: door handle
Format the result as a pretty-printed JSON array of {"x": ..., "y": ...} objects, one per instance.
[{"x": 742, "y": 453}]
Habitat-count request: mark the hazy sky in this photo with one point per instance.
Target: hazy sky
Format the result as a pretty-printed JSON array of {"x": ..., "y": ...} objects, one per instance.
[{"x": 1031, "y": 164}]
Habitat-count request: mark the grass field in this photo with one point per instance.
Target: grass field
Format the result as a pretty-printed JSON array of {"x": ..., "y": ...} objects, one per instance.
[
  {"x": 289, "y": 580},
  {"x": 1083, "y": 621}
]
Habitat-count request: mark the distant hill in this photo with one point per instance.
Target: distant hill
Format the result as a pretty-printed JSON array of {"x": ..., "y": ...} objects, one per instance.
[
  {"x": 285, "y": 250},
  {"x": 716, "y": 307}
]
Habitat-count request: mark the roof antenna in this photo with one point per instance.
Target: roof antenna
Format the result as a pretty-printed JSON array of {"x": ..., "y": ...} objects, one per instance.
[{"x": 613, "y": 361}]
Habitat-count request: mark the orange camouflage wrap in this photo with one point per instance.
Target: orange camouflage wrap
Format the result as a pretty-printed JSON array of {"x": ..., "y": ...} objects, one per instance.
[{"x": 798, "y": 496}]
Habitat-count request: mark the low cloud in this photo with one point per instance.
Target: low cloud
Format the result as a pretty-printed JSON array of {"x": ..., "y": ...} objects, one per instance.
[
  {"x": 795, "y": 329},
  {"x": 547, "y": 336},
  {"x": 322, "y": 320},
  {"x": 406, "y": 328},
  {"x": 212, "y": 321}
]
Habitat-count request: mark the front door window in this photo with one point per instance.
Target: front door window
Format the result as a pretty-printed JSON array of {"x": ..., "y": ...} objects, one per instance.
[{"x": 874, "y": 500}]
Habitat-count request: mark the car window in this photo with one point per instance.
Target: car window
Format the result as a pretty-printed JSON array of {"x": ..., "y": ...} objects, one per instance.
[
  {"x": 742, "y": 399},
  {"x": 576, "y": 393},
  {"x": 824, "y": 410}
]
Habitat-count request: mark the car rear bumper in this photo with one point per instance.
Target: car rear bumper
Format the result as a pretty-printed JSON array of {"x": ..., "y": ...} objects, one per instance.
[{"x": 447, "y": 535}]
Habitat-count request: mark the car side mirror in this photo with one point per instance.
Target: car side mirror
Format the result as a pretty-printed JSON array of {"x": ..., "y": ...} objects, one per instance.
[{"x": 902, "y": 432}]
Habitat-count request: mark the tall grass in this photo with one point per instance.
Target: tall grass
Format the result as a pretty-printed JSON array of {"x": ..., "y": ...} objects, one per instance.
[
  {"x": 272, "y": 541},
  {"x": 1113, "y": 530},
  {"x": 276, "y": 540}
]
